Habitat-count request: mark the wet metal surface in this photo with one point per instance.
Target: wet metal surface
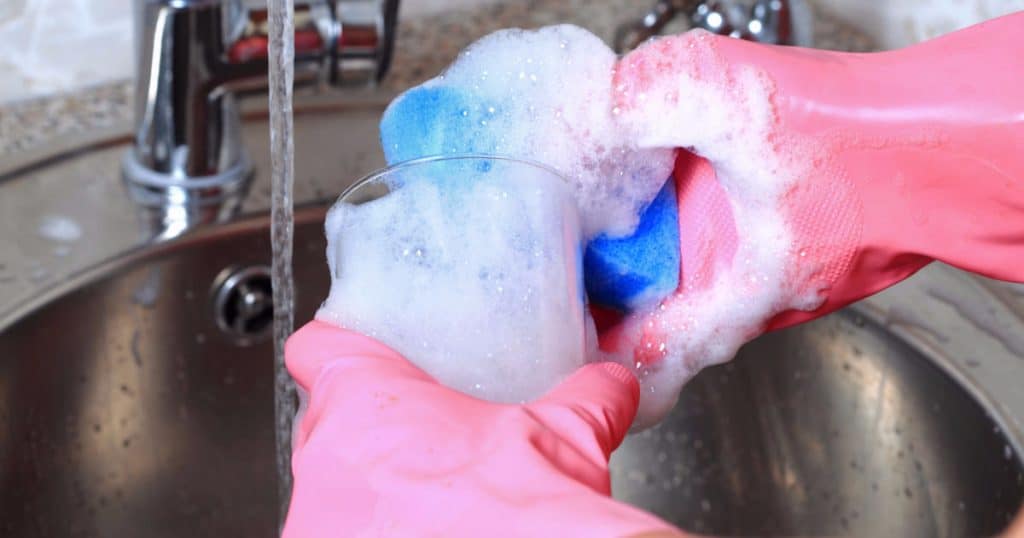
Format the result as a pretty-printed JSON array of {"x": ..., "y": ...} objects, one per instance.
[
  {"x": 833, "y": 427},
  {"x": 129, "y": 417}
]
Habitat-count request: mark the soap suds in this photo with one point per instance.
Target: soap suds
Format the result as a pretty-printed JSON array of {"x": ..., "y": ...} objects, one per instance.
[
  {"x": 678, "y": 92},
  {"x": 557, "y": 96},
  {"x": 463, "y": 281},
  {"x": 544, "y": 95}
]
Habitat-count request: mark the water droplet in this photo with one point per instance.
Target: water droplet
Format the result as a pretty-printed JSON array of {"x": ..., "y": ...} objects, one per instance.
[{"x": 59, "y": 228}]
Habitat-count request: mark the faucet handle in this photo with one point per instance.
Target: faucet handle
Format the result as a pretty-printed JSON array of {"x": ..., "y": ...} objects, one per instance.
[
  {"x": 628, "y": 36},
  {"x": 343, "y": 42},
  {"x": 779, "y": 22},
  {"x": 366, "y": 38}
]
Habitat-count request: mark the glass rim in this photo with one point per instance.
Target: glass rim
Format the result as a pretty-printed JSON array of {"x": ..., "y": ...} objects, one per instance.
[{"x": 410, "y": 163}]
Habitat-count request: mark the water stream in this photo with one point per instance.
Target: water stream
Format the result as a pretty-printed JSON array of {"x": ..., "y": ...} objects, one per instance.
[{"x": 281, "y": 57}]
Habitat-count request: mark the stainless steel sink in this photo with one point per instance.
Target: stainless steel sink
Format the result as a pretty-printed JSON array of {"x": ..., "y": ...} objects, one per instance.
[
  {"x": 832, "y": 428},
  {"x": 136, "y": 385},
  {"x": 127, "y": 411},
  {"x": 133, "y": 405}
]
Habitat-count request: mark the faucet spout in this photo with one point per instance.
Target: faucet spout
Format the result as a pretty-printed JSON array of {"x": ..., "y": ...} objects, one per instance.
[{"x": 196, "y": 58}]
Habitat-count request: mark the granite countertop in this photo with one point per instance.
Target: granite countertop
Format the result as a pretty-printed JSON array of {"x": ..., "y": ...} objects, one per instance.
[{"x": 425, "y": 44}]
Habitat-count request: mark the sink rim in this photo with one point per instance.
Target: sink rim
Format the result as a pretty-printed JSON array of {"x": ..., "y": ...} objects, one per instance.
[
  {"x": 139, "y": 254},
  {"x": 942, "y": 359},
  {"x": 313, "y": 212}
]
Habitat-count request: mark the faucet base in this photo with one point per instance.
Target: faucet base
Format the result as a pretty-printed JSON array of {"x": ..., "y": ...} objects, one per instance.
[
  {"x": 152, "y": 188},
  {"x": 173, "y": 203}
]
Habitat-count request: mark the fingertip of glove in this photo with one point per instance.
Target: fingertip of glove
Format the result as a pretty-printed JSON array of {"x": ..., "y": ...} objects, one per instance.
[
  {"x": 316, "y": 344},
  {"x": 620, "y": 374}
]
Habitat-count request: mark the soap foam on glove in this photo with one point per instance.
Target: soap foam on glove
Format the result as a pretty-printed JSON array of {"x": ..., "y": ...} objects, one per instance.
[
  {"x": 545, "y": 96},
  {"x": 557, "y": 96}
]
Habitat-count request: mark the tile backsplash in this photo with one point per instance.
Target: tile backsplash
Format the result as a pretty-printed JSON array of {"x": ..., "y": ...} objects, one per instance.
[{"x": 57, "y": 46}]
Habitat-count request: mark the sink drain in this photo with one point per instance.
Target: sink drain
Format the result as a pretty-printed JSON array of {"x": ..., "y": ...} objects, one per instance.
[{"x": 243, "y": 303}]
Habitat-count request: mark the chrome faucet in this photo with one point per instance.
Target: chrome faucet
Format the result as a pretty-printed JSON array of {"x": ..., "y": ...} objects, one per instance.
[
  {"x": 778, "y": 22},
  {"x": 195, "y": 58}
]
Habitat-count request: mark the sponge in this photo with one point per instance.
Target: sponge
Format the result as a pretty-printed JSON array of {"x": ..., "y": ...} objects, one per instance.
[
  {"x": 435, "y": 120},
  {"x": 628, "y": 272},
  {"x": 621, "y": 273}
]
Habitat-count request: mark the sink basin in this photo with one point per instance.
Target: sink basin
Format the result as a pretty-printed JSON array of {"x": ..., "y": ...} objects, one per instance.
[
  {"x": 132, "y": 404},
  {"x": 136, "y": 396}
]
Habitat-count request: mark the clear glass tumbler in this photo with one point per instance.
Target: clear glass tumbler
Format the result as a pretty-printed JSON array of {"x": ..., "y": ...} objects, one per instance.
[{"x": 468, "y": 265}]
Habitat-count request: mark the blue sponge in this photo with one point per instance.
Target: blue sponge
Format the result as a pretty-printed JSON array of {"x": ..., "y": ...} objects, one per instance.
[
  {"x": 621, "y": 273},
  {"x": 433, "y": 120},
  {"x": 436, "y": 120},
  {"x": 625, "y": 273}
]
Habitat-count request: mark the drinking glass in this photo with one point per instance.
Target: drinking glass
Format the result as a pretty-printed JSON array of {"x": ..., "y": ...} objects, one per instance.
[{"x": 468, "y": 265}]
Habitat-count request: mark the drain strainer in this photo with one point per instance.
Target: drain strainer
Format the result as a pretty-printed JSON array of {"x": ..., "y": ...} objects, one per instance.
[{"x": 243, "y": 303}]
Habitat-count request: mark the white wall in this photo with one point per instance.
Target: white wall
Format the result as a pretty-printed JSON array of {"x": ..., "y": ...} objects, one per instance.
[
  {"x": 897, "y": 23},
  {"x": 55, "y": 46},
  {"x": 50, "y": 46}
]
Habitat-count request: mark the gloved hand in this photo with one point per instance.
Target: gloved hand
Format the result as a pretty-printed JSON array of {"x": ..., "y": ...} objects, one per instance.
[
  {"x": 868, "y": 166},
  {"x": 385, "y": 450},
  {"x": 1016, "y": 528}
]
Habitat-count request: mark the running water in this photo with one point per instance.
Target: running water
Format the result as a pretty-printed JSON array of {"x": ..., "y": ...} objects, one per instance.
[{"x": 281, "y": 57}]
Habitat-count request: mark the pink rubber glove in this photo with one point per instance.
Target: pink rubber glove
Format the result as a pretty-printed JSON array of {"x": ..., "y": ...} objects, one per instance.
[
  {"x": 884, "y": 162},
  {"x": 1016, "y": 529},
  {"x": 385, "y": 450}
]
